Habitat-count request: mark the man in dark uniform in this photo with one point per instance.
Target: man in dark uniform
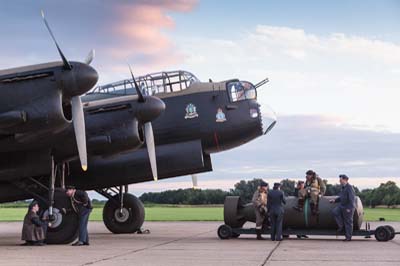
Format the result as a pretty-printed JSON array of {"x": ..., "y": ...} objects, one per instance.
[
  {"x": 83, "y": 207},
  {"x": 276, "y": 199},
  {"x": 344, "y": 212}
]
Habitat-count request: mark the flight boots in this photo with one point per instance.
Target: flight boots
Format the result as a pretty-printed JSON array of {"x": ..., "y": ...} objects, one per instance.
[{"x": 259, "y": 237}]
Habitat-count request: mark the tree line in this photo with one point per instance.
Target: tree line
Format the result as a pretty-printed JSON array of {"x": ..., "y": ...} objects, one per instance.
[{"x": 386, "y": 194}]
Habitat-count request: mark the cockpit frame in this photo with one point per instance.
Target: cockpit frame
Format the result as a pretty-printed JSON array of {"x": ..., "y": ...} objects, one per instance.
[{"x": 150, "y": 84}]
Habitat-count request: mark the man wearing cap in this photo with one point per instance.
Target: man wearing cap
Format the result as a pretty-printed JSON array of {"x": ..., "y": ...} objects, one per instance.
[
  {"x": 276, "y": 200},
  {"x": 260, "y": 206},
  {"x": 83, "y": 207},
  {"x": 344, "y": 212},
  {"x": 313, "y": 187}
]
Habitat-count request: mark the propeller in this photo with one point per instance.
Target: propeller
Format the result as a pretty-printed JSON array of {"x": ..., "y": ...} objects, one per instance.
[
  {"x": 148, "y": 132},
  {"x": 78, "y": 118},
  {"x": 67, "y": 65},
  {"x": 194, "y": 181},
  {"x": 138, "y": 91},
  {"x": 151, "y": 149},
  {"x": 89, "y": 58}
]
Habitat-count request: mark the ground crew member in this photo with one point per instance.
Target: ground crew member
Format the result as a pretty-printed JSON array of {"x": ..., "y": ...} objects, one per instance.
[
  {"x": 313, "y": 187},
  {"x": 300, "y": 186},
  {"x": 33, "y": 229},
  {"x": 82, "y": 206},
  {"x": 345, "y": 211},
  {"x": 276, "y": 200},
  {"x": 260, "y": 207}
]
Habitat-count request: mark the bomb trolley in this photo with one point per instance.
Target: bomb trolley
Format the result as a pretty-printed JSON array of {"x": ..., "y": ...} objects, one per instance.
[{"x": 237, "y": 213}]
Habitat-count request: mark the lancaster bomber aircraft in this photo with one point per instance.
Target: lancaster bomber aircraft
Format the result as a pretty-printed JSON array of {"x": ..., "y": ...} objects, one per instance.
[{"x": 155, "y": 126}]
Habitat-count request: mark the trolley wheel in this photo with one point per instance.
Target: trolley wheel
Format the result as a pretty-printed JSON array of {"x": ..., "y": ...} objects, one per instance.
[
  {"x": 392, "y": 231},
  {"x": 225, "y": 231},
  {"x": 382, "y": 233},
  {"x": 235, "y": 235}
]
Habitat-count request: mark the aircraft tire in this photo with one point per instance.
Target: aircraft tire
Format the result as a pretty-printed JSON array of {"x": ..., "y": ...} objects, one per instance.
[
  {"x": 127, "y": 221},
  {"x": 66, "y": 226}
]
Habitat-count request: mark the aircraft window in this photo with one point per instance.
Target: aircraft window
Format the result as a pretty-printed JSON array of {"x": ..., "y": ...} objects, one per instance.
[
  {"x": 241, "y": 90},
  {"x": 151, "y": 84}
]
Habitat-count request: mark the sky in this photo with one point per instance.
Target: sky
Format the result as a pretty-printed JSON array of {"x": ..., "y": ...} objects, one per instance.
[{"x": 333, "y": 66}]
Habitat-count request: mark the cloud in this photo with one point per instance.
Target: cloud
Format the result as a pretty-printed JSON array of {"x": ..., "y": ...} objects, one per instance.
[
  {"x": 138, "y": 33},
  {"x": 334, "y": 74}
]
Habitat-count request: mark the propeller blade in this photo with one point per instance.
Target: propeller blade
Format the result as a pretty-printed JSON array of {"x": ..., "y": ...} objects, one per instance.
[
  {"x": 194, "y": 181},
  {"x": 78, "y": 120},
  {"x": 151, "y": 149},
  {"x": 138, "y": 91},
  {"x": 90, "y": 57},
  {"x": 67, "y": 65}
]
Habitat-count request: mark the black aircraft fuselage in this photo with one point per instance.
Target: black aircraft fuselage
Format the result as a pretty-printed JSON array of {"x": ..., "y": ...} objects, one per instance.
[{"x": 199, "y": 119}]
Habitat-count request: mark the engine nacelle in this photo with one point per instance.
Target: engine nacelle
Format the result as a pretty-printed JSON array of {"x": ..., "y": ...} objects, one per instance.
[
  {"x": 39, "y": 115},
  {"x": 128, "y": 136}
]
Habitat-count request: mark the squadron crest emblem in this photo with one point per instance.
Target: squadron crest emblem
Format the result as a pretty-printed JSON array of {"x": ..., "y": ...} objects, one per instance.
[
  {"x": 220, "y": 116},
  {"x": 191, "y": 111}
]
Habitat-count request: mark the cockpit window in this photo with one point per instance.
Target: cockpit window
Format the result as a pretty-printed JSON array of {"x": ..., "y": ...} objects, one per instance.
[
  {"x": 151, "y": 84},
  {"x": 241, "y": 90}
]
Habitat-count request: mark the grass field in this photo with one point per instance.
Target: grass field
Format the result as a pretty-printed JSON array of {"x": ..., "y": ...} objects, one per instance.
[{"x": 188, "y": 213}]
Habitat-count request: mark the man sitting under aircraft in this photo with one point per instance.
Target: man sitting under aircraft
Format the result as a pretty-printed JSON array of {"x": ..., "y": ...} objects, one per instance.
[{"x": 313, "y": 187}]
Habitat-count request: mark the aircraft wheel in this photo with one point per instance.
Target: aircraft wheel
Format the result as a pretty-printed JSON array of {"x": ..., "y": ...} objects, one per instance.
[
  {"x": 392, "y": 231},
  {"x": 127, "y": 220},
  {"x": 382, "y": 233},
  {"x": 64, "y": 228},
  {"x": 224, "y": 231}
]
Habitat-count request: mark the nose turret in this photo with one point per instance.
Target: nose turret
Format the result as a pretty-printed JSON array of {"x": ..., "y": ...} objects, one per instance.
[{"x": 268, "y": 118}]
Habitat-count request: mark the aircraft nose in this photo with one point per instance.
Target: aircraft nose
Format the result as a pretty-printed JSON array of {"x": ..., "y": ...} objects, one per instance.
[
  {"x": 86, "y": 79},
  {"x": 268, "y": 118},
  {"x": 150, "y": 109}
]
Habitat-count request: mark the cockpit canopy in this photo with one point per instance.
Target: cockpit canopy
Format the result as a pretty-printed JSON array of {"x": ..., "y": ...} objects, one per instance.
[
  {"x": 151, "y": 84},
  {"x": 241, "y": 90}
]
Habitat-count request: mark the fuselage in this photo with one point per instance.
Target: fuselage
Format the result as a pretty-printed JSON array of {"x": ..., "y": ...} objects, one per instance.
[{"x": 200, "y": 119}]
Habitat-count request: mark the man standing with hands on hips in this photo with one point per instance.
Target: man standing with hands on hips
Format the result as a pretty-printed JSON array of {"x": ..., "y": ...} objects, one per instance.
[{"x": 344, "y": 212}]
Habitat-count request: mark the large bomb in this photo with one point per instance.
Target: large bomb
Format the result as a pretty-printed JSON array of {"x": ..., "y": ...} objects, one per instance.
[{"x": 236, "y": 213}]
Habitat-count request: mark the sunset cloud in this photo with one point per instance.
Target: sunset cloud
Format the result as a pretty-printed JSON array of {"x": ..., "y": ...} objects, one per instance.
[{"x": 139, "y": 30}]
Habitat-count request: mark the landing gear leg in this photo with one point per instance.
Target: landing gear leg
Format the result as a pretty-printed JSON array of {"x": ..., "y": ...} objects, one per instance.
[
  {"x": 123, "y": 213},
  {"x": 63, "y": 227},
  {"x": 51, "y": 189}
]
